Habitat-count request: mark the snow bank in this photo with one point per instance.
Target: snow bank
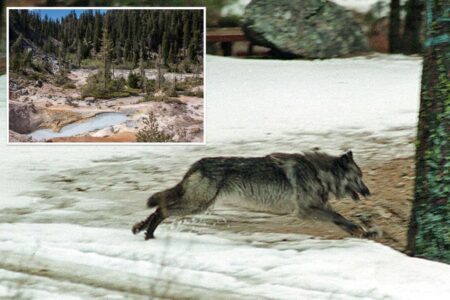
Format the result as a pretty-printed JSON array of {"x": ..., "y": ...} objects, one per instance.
[
  {"x": 188, "y": 265},
  {"x": 371, "y": 94},
  {"x": 237, "y": 8},
  {"x": 362, "y": 6}
]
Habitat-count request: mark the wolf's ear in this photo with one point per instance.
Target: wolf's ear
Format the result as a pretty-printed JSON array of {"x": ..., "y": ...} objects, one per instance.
[
  {"x": 346, "y": 158},
  {"x": 349, "y": 154}
]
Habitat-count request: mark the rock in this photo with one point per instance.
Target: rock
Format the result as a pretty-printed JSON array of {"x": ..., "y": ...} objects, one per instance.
[
  {"x": 23, "y": 92},
  {"x": 15, "y": 137},
  {"x": 14, "y": 86},
  {"x": 23, "y": 118},
  {"x": 38, "y": 83},
  {"x": 303, "y": 28}
]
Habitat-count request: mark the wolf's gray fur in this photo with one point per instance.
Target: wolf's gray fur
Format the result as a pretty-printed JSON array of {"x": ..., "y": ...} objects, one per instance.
[{"x": 279, "y": 182}]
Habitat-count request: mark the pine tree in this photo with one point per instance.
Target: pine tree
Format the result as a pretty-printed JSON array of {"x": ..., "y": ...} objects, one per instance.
[
  {"x": 62, "y": 60},
  {"x": 79, "y": 52},
  {"x": 16, "y": 54},
  {"x": 97, "y": 32},
  {"x": 141, "y": 68},
  {"x": 106, "y": 52}
]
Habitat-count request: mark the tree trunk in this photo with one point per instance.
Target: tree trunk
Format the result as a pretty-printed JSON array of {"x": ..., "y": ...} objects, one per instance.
[
  {"x": 394, "y": 27},
  {"x": 429, "y": 231},
  {"x": 411, "y": 36}
]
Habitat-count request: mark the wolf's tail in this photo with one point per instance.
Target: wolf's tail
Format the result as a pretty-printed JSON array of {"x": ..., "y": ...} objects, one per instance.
[{"x": 166, "y": 197}]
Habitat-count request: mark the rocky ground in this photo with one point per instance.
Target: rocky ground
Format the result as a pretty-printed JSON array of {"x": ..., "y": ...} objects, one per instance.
[{"x": 44, "y": 105}]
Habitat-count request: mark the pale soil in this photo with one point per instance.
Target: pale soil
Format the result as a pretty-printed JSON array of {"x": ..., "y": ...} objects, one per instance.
[
  {"x": 58, "y": 107},
  {"x": 387, "y": 209}
]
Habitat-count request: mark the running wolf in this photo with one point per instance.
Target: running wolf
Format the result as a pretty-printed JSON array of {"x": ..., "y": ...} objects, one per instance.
[{"x": 279, "y": 182}]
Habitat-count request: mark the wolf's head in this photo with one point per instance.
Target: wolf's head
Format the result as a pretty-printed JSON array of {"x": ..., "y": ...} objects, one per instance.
[{"x": 351, "y": 183}]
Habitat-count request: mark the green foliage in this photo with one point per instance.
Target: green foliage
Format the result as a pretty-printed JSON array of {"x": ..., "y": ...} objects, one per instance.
[
  {"x": 41, "y": 66},
  {"x": 90, "y": 63},
  {"x": 150, "y": 86},
  {"x": 133, "y": 80},
  {"x": 188, "y": 83},
  {"x": 63, "y": 81},
  {"x": 152, "y": 97},
  {"x": 97, "y": 88},
  {"x": 151, "y": 132},
  {"x": 126, "y": 65},
  {"x": 69, "y": 85},
  {"x": 16, "y": 54},
  {"x": 32, "y": 75},
  {"x": 229, "y": 21},
  {"x": 198, "y": 93}
]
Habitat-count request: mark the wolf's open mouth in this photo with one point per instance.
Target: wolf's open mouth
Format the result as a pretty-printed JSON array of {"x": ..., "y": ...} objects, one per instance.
[{"x": 354, "y": 195}]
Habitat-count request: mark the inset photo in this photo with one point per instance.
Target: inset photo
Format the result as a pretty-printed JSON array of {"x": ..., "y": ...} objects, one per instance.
[{"x": 105, "y": 75}]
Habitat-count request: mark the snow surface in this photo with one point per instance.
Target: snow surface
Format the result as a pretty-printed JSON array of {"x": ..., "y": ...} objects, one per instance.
[
  {"x": 67, "y": 211},
  {"x": 362, "y": 6},
  {"x": 190, "y": 266},
  {"x": 237, "y": 8}
]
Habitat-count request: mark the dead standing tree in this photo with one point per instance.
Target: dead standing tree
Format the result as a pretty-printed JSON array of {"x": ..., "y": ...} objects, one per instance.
[
  {"x": 429, "y": 232},
  {"x": 394, "y": 26},
  {"x": 411, "y": 41}
]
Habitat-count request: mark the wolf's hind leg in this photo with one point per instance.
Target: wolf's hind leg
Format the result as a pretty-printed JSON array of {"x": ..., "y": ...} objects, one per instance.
[{"x": 330, "y": 215}]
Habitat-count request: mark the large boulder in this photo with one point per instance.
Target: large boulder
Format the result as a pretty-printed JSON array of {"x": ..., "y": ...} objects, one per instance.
[
  {"x": 303, "y": 28},
  {"x": 23, "y": 118}
]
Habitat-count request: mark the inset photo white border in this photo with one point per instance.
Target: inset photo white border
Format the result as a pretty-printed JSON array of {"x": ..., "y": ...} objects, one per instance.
[{"x": 39, "y": 143}]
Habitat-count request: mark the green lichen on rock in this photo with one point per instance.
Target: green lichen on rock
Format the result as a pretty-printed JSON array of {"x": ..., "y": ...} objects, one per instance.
[{"x": 303, "y": 28}]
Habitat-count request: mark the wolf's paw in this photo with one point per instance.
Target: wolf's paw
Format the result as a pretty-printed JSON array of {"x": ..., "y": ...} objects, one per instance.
[
  {"x": 149, "y": 235},
  {"x": 373, "y": 232},
  {"x": 356, "y": 230},
  {"x": 138, "y": 227}
]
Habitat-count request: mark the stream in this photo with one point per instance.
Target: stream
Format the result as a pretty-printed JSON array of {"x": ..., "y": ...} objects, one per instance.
[{"x": 100, "y": 121}]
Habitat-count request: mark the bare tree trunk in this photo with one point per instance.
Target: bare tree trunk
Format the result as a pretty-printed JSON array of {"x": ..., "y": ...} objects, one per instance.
[
  {"x": 411, "y": 36},
  {"x": 429, "y": 231},
  {"x": 394, "y": 27}
]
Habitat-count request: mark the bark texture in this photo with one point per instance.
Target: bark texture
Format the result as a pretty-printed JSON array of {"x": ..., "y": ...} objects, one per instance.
[{"x": 429, "y": 232}]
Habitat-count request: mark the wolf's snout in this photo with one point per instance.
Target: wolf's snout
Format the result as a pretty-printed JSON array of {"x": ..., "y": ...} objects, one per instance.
[{"x": 365, "y": 191}]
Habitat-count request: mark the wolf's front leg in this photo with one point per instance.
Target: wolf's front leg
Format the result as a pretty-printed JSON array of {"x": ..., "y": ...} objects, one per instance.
[
  {"x": 157, "y": 218},
  {"x": 139, "y": 226},
  {"x": 149, "y": 224},
  {"x": 330, "y": 215}
]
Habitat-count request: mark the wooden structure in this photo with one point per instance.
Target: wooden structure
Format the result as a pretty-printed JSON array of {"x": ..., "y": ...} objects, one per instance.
[
  {"x": 226, "y": 37},
  {"x": 2, "y": 65}
]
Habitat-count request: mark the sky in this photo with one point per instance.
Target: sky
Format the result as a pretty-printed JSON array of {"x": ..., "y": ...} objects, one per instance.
[{"x": 60, "y": 13}]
